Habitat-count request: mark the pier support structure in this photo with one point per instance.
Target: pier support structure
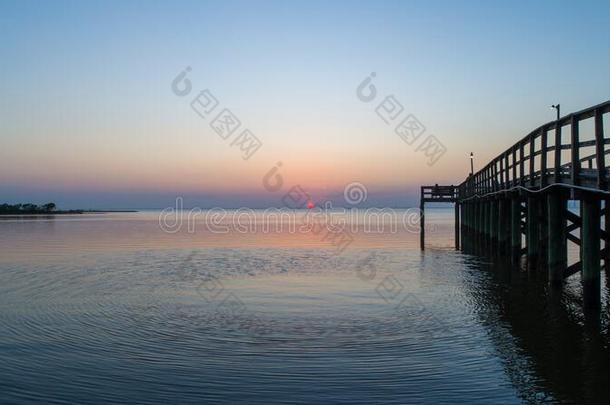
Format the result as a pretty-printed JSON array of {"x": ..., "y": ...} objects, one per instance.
[
  {"x": 523, "y": 195},
  {"x": 532, "y": 236},
  {"x": 557, "y": 260},
  {"x": 515, "y": 230},
  {"x": 590, "y": 245}
]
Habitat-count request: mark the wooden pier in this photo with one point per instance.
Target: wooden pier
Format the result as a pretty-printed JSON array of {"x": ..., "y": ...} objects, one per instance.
[{"x": 515, "y": 209}]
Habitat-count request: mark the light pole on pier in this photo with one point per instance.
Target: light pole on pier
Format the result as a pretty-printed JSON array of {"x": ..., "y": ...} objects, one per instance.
[
  {"x": 471, "y": 164},
  {"x": 557, "y": 107}
]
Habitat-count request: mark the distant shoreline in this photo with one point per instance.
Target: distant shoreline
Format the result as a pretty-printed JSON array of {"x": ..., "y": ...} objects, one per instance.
[{"x": 65, "y": 212}]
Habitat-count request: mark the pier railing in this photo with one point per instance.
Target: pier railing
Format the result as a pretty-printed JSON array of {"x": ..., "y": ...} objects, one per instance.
[{"x": 557, "y": 152}]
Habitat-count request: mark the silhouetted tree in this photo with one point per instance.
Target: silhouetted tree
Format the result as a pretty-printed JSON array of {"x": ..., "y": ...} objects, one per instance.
[{"x": 29, "y": 207}]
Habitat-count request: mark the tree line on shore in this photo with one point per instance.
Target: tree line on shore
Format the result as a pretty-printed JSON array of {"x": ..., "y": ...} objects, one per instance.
[{"x": 16, "y": 209}]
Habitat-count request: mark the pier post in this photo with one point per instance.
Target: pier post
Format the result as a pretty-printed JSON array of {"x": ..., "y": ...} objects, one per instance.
[
  {"x": 468, "y": 238},
  {"x": 532, "y": 234},
  {"x": 486, "y": 226},
  {"x": 491, "y": 237},
  {"x": 477, "y": 233},
  {"x": 463, "y": 220},
  {"x": 503, "y": 228},
  {"x": 481, "y": 243},
  {"x": 422, "y": 225},
  {"x": 543, "y": 246},
  {"x": 477, "y": 219},
  {"x": 590, "y": 239},
  {"x": 469, "y": 226},
  {"x": 457, "y": 225},
  {"x": 480, "y": 227},
  {"x": 557, "y": 260},
  {"x": 607, "y": 241},
  {"x": 515, "y": 230},
  {"x": 472, "y": 232},
  {"x": 493, "y": 227}
]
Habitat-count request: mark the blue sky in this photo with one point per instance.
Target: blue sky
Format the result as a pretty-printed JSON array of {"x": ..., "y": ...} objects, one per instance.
[{"x": 88, "y": 119}]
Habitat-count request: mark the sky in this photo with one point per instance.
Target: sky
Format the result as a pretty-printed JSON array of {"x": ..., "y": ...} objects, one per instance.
[{"x": 89, "y": 117}]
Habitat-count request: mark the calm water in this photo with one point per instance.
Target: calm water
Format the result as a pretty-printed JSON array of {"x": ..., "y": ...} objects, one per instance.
[{"x": 109, "y": 308}]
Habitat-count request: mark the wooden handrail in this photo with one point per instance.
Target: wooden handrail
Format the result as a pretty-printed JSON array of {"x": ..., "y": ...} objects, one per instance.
[{"x": 496, "y": 175}]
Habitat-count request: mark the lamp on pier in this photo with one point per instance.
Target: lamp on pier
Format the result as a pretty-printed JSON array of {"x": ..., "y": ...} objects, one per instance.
[{"x": 557, "y": 107}]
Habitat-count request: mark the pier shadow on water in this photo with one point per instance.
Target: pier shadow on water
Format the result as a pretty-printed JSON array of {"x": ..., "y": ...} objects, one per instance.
[{"x": 566, "y": 349}]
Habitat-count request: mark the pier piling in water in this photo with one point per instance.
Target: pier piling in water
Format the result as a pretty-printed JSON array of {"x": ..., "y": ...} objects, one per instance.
[
  {"x": 503, "y": 235},
  {"x": 590, "y": 252},
  {"x": 557, "y": 260},
  {"x": 515, "y": 230},
  {"x": 532, "y": 236},
  {"x": 491, "y": 227}
]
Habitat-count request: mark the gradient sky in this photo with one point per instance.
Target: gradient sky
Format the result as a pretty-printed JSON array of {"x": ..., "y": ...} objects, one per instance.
[{"x": 88, "y": 118}]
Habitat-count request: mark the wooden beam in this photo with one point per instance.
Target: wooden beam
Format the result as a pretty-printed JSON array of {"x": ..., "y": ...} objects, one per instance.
[
  {"x": 577, "y": 267},
  {"x": 573, "y": 238},
  {"x": 532, "y": 234},
  {"x": 557, "y": 164},
  {"x": 599, "y": 150},
  {"x": 422, "y": 223},
  {"x": 557, "y": 259},
  {"x": 575, "y": 153},
  {"x": 532, "y": 155},
  {"x": 543, "y": 157},
  {"x": 590, "y": 252},
  {"x": 515, "y": 230},
  {"x": 457, "y": 225}
]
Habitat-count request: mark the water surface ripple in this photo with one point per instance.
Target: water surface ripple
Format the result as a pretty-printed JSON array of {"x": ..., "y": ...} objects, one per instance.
[{"x": 111, "y": 309}]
